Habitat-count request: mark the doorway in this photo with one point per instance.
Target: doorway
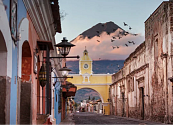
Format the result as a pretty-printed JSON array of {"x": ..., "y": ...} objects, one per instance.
[
  {"x": 141, "y": 97},
  {"x": 123, "y": 105}
]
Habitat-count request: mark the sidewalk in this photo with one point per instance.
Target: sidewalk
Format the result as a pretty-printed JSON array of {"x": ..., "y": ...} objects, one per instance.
[{"x": 68, "y": 120}]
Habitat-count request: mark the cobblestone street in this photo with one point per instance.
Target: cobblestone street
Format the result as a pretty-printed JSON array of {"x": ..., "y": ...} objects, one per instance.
[{"x": 93, "y": 118}]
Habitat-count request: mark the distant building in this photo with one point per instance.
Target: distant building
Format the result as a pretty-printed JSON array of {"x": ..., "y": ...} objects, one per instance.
[
  {"x": 97, "y": 82},
  {"x": 83, "y": 104},
  {"x": 142, "y": 88}
]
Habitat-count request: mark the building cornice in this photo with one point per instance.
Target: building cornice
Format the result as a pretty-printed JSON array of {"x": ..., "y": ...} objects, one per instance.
[
  {"x": 41, "y": 16},
  {"x": 130, "y": 74},
  {"x": 138, "y": 70}
]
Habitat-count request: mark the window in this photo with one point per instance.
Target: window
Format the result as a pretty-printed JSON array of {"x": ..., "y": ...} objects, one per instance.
[{"x": 130, "y": 85}]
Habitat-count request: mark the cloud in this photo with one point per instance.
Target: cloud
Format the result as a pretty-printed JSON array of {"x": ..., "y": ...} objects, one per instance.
[{"x": 103, "y": 49}]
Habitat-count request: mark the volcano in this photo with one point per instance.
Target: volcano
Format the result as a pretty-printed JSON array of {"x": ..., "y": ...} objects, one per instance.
[{"x": 98, "y": 29}]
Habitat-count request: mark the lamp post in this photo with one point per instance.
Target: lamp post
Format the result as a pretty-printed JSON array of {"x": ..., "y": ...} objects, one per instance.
[
  {"x": 65, "y": 72},
  {"x": 64, "y": 49}
]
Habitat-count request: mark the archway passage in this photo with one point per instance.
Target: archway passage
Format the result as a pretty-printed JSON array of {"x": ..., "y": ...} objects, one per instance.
[
  {"x": 86, "y": 94},
  {"x": 3, "y": 56},
  {"x": 88, "y": 100},
  {"x": 5, "y": 84},
  {"x": 25, "y": 96}
]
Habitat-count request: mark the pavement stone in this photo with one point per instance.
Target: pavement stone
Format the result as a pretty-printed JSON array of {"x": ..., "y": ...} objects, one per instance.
[{"x": 94, "y": 118}]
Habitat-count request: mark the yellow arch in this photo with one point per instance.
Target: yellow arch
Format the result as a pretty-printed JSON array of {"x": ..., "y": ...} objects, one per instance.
[
  {"x": 103, "y": 91},
  {"x": 78, "y": 88},
  {"x": 97, "y": 82}
]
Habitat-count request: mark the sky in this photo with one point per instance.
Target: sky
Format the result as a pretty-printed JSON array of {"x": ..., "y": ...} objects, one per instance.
[{"x": 83, "y": 14}]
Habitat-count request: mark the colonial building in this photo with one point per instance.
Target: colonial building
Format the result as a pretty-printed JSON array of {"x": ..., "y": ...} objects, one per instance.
[
  {"x": 142, "y": 88},
  {"x": 97, "y": 82},
  {"x": 27, "y": 30}
]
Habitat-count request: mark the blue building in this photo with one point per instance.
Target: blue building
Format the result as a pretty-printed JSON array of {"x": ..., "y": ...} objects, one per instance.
[
  {"x": 58, "y": 102},
  {"x": 24, "y": 24}
]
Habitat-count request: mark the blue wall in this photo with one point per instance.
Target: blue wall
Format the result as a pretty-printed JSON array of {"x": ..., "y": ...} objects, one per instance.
[
  {"x": 7, "y": 4},
  {"x": 13, "y": 98},
  {"x": 57, "y": 99}
]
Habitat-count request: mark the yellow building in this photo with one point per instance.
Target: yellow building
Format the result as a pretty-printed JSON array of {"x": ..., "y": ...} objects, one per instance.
[{"x": 97, "y": 82}]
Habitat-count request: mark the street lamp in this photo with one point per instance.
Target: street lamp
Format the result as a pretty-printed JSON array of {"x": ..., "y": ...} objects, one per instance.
[
  {"x": 64, "y": 47},
  {"x": 42, "y": 75},
  {"x": 42, "y": 78},
  {"x": 65, "y": 71}
]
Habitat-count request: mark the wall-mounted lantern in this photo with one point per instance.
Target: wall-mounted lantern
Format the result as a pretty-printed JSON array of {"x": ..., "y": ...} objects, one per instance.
[
  {"x": 65, "y": 71},
  {"x": 64, "y": 47},
  {"x": 42, "y": 75}
]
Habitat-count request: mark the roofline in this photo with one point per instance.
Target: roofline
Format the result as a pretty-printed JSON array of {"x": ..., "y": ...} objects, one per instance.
[{"x": 156, "y": 10}]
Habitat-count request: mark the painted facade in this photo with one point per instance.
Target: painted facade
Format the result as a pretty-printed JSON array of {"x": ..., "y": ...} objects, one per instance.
[
  {"x": 86, "y": 79},
  {"x": 57, "y": 102},
  {"x": 142, "y": 88},
  {"x": 20, "y": 92}
]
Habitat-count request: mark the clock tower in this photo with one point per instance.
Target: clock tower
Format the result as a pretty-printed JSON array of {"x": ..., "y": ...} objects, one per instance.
[{"x": 85, "y": 64}]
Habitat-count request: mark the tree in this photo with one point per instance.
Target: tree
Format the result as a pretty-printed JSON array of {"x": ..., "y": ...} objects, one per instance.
[
  {"x": 93, "y": 98},
  {"x": 63, "y": 15},
  {"x": 75, "y": 105}
]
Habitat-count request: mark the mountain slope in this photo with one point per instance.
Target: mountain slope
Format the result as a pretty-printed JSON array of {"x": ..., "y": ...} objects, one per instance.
[
  {"x": 98, "y": 29},
  {"x": 99, "y": 66},
  {"x": 83, "y": 94}
]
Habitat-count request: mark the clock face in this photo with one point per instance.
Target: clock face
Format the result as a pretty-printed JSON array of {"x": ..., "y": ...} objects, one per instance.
[{"x": 85, "y": 66}]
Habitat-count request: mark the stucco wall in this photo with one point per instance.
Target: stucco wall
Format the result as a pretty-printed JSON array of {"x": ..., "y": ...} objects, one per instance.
[
  {"x": 5, "y": 100},
  {"x": 150, "y": 66},
  {"x": 33, "y": 37},
  {"x": 4, "y": 28},
  {"x": 25, "y": 103}
]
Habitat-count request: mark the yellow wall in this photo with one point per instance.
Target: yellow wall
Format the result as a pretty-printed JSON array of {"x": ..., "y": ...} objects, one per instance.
[
  {"x": 97, "y": 82},
  {"x": 94, "y": 79},
  {"x": 102, "y": 86},
  {"x": 76, "y": 79},
  {"x": 89, "y": 70}
]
